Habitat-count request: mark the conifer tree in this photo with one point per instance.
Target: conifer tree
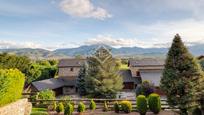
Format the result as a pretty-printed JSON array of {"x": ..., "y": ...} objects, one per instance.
[
  {"x": 103, "y": 80},
  {"x": 182, "y": 77},
  {"x": 80, "y": 83}
]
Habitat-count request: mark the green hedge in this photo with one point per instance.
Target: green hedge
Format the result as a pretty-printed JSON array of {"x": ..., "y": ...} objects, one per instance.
[
  {"x": 92, "y": 105},
  {"x": 11, "y": 85},
  {"x": 142, "y": 104},
  {"x": 60, "y": 107},
  {"x": 81, "y": 107},
  {"x": 126, "y": 106},
  {"x": 69, "y": 109},
  {"x": 154, "y": 103}
]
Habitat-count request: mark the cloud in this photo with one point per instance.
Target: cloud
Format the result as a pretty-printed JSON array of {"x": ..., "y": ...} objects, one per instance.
[
  {"x": 190, "y": 31},
  {"x": 84, "y": 9},
  {"x": 119, "y": 42},
  {"x": 12, "y": 44}
]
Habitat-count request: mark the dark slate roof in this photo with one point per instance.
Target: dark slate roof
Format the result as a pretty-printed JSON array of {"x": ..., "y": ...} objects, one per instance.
[
  {"x": 52, "y": 83},
  {"x": 146, "y": 62},
  {"x": 71, "y": 62},
  {"x": 127, "y": 76}
]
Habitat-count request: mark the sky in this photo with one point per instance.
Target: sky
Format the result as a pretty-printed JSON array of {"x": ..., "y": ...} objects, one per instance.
[{"x": 53, "y": 24}]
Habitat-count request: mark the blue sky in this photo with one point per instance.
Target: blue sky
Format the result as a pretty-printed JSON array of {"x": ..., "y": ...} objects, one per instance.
[{"x": 52, "y": 24}]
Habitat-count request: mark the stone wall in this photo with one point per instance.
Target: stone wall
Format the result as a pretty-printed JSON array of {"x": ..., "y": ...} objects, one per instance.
[{"x": 20, "y": 107}]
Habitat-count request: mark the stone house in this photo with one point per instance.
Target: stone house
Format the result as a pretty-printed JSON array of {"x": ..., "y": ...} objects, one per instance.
[{"x": 139, "y": 70}]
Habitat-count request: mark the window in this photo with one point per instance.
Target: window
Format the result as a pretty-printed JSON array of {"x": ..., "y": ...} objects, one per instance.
[
  {"x": 138, "y": 73},
  {"x": 72, "y": 69}
]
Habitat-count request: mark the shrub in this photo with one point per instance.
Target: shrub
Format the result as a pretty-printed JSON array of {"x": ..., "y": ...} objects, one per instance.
[
  {"x": 54, "y": 106},
  {"x": 126, "y": 106},
  {"x": 154, "y": 103},
  {"x": 196, "y": 111},
  {"x": 142, "y": 104},
  {"x": 146, "y": 88},
  {"x": 92, "y": 105},
  {"x": 105, "y": 106},
  {"x": 60, "y": 108},
  {"x": 46, "y": 94},
  {"x": 81, "y": 107},
  {"x": 116, "y": 107},
  {"x": 69, "y": 109},
  {"x": 11, "y": 85}
]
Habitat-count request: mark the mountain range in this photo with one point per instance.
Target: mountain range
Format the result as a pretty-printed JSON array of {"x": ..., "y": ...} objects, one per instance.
[{"x": 86, "y": 50}]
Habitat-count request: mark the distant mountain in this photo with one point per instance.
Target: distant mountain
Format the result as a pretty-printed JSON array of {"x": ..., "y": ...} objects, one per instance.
[{"x": 196, "y": 50}]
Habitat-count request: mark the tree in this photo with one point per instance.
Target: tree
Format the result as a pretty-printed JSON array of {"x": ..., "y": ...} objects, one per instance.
[
  {"x": 181, "y": 76},
  {"x": 103, "y": 80},
  {"x": 146, "y": 88},
  {"x": 80, "y": 83}
]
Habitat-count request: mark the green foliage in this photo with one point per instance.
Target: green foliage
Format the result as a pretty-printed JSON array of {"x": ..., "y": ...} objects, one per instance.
[
  {"x": 54, "y": 106},
  {"x": 8, "y": 61},
  {"x": 142, "y": 104},
  {"x": 146, "y": 88},
  {"x": 103, "y": 80},
  {"x": 126, "y": 106},
  {"x": 116, "y": 107},
  {"x": 69, "y": 109},
  {"x": 38, "y": 72},
  {"x": 105, "y": 106},
  {"x": 60, "y": 107},
  {"x": 11, "y": 85},
  {"x": 197, "y": 111},
  {"x": 182, "y": 77},
  {"x": 39, "y": 111},
  {"x": 46, "y": 94},
  {"x": 154, "y": 103},
  {"x": 202, "y": 63},
  {"x": 92, "y": 105},
  {"x": 81, "y": 107},
  {"x": 80, "y": 83}
]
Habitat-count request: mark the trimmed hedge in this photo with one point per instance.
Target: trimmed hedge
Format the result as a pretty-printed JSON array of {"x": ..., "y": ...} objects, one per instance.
[
  {"x": 105, "y": 106},
  {"x": 69, "y": 109},
  {"x": 154, "y": 103},
  {"x": 11, "y": 85},
  {"x": 116, "y": 107},
  {"x": 142, "y": 104},
  {"x": 126, "y": 106},
  {"x": 81, "y": 107},
  {"x": 60, "y": 107},
  {"x": 92, "y": 105}
]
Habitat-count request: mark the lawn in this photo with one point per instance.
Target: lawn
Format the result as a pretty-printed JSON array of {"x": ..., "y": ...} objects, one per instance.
[
  {"x": 124, "y": 67},
  {"x": 39, "y": 111}
]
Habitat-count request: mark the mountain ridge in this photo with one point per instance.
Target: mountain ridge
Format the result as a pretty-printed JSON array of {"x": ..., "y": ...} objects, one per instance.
[{"x": 86, "y": 50}]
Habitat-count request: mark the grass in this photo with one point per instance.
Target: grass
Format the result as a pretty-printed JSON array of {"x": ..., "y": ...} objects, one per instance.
[
  {"x": 124, "y": 67},
  {"x": 39, "y": 111}
]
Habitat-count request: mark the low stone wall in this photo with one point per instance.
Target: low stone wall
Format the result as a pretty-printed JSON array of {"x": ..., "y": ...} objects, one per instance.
[{"x": 20, "y": 107}]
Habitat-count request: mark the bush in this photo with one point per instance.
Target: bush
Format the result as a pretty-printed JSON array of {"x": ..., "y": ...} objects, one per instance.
[
  {"x": 11, "y": 85},
  {"x": 60, "y": 108},
  {"x": 46, "y": 94},
  {"x": 154, "y": 103},
  {"x": 126, "y": 106},
  {"x": 81, "y": 107},
  {"x": 105, "y": 106},
  {"x": 146, "y": 88},
  {"x": 116, "y": 107},
  {"x": 197, "y": 111},
  {"x": 142, "y": 104},
  {"x": 92, "y": 105},
  {"x": 69, "y": 109}
]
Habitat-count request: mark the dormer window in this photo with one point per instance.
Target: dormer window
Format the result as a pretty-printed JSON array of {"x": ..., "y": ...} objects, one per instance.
[
  {"x": 71, "y": 69},
  {"x": 138, "y": 73}
]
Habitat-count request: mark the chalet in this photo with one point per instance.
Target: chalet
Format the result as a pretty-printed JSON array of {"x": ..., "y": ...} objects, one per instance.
[{"x": 139, "y": 70}]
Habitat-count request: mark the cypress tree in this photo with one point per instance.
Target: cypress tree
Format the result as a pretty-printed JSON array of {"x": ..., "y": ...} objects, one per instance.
[
  {"x": 80, "y": 83},
  {"x": 103, "y": 80},
  {"x": 182, "y": 77}
]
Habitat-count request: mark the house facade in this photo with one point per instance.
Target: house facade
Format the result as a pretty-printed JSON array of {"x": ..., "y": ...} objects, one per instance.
[{"x": 139, "y": 70}]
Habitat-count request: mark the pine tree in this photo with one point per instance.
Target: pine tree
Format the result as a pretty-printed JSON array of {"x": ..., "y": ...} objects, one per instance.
[
  {"x": 80, "y": 83},
  {"x": 182, "y": 77},
  {"x": 103, "y": 80}
]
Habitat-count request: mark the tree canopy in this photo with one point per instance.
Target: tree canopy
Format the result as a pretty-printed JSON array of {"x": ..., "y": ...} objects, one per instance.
[
  {"x": 182, "y": 76},
  {"x": 103, "y": 79}
]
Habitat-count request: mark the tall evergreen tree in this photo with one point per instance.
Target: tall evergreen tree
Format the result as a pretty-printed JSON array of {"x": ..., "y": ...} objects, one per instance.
[
  {"x": 103, "y": 80},
  {"x": 182, "y": 77},
  {"x": 81, "y": 85}
]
